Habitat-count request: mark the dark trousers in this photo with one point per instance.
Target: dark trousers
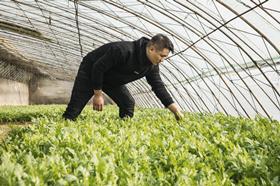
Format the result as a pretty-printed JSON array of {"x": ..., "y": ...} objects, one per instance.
[{"x": 83, "y": 91}]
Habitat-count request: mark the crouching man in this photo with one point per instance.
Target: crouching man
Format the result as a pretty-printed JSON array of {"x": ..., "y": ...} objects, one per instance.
[{"x": 108, "y": 68}]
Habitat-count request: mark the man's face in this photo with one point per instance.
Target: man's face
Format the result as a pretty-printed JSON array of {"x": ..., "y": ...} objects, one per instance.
[{"x": 157, "y": 56}]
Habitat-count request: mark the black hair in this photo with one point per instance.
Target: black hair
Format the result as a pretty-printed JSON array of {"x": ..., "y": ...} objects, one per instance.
[{"x": 161, "y": 41}]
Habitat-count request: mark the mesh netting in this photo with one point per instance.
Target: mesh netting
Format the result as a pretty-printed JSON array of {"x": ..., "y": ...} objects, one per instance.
[{"x": 13, "y": 72}]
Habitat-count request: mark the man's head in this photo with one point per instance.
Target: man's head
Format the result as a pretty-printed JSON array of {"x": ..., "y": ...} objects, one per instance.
[{"x": 158, "y": 48}]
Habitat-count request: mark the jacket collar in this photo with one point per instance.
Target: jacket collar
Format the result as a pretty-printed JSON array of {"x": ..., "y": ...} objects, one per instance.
[{"x": 142, "y": 57}]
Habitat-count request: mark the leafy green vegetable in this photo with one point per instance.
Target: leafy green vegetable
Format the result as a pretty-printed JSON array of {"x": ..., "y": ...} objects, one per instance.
[{"x": 149, "y": 149}]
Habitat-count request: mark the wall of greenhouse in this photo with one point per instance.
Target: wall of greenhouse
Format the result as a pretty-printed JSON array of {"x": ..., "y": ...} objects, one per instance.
[{"x": 226, "y": 55}]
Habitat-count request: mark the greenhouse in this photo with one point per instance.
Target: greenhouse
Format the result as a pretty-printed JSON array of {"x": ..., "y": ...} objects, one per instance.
[{"x": 223, "y": 76}]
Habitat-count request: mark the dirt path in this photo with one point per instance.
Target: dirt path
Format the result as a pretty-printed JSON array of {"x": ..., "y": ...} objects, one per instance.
[
  {"x": 4, "y": 130},
  {"x": 6, "y": 127}
]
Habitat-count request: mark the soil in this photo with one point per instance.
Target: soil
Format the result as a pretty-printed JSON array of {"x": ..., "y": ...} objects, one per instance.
[{"x": 6, "y": 127}]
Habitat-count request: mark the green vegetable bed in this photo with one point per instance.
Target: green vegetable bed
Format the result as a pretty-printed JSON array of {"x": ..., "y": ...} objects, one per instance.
[{"x": 150, "y": 149}]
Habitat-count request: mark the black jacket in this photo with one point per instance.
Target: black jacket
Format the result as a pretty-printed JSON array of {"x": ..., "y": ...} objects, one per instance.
[{"x": 118, "y": 63}]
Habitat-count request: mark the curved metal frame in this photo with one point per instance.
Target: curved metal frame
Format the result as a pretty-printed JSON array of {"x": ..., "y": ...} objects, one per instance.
[{"x": 85, "y": 26}]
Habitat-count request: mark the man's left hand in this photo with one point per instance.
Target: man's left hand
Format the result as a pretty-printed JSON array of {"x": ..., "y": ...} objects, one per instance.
[
  {"x": 178, "y": 116},
  {"x": 176, "y": 111}
]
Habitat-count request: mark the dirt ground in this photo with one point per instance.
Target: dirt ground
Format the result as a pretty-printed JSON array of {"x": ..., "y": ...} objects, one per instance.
[{"x": 5, "y": 128}]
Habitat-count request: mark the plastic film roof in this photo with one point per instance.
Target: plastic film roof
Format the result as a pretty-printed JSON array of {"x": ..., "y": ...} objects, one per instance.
[{"x": 226, "y": 56}]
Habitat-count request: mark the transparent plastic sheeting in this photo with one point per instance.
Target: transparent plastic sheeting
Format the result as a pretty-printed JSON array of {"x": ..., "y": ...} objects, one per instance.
[{"x": 226, "y": 51}]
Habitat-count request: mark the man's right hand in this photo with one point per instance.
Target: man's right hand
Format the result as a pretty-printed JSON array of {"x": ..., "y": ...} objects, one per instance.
[{"x": 98, "y": 100}]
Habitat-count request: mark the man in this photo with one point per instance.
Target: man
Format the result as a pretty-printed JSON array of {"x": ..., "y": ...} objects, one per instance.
[{"x": 111, "y": 66}]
